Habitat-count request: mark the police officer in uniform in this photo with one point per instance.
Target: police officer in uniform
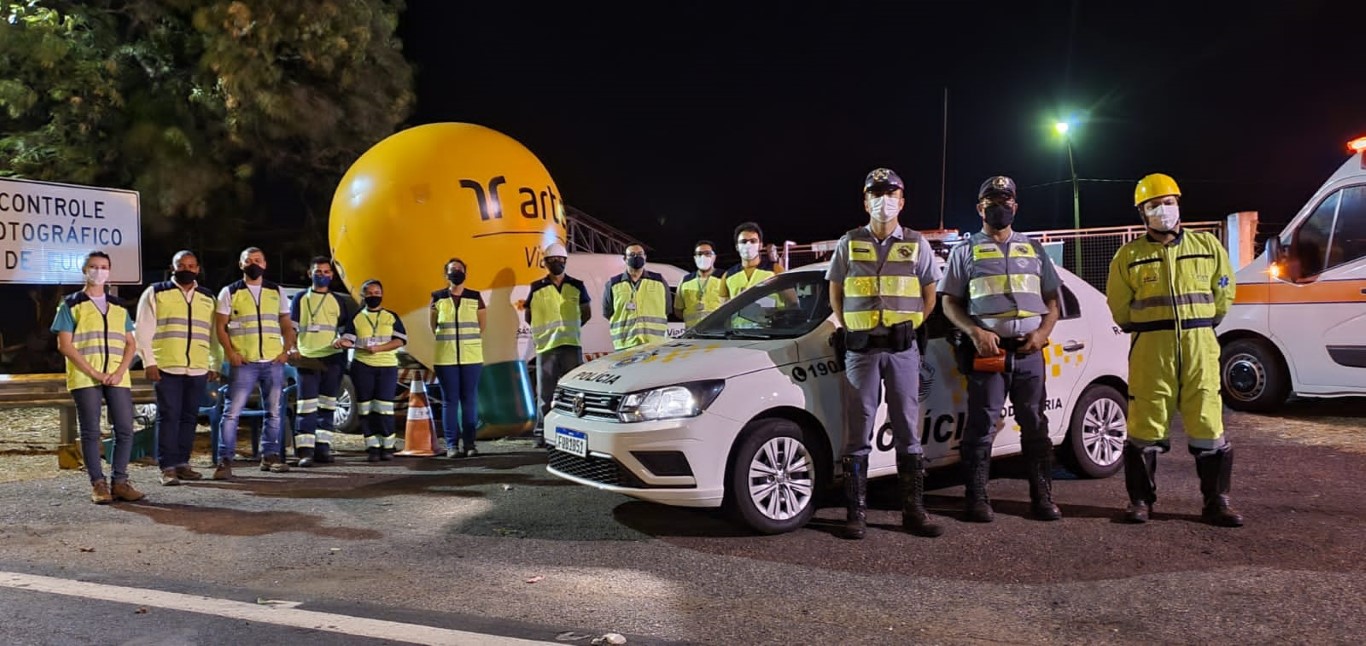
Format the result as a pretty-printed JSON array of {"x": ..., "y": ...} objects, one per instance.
[
  {"x": 701, "y": 291},
  {"x": 1001, "y": 291},
  {"x": 636, "y": 303},
  {"x": 319, "y": 315},
  {"x": 1168, "y": 290},
  {"x": 557, "y": 307},
  {"x": 882, "y": 286}
]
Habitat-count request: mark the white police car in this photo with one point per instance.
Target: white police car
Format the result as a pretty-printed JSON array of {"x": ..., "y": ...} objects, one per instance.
[{"x": 744, "y": 411}]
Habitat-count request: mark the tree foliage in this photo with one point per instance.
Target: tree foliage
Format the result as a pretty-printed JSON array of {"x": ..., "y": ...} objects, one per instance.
[{"x": 246, "y": 111}]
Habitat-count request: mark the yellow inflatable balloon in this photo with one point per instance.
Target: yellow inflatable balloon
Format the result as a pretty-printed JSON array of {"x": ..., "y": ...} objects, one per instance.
[{"x": 443, "y": 190}]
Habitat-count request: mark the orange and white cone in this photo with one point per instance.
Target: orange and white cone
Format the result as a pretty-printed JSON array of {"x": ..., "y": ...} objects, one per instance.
[{"x": 419, "y": 434}]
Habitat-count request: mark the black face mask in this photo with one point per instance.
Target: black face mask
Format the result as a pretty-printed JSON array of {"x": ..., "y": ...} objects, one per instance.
[
  {"x": 636, "y": 262},
  {"x": 185, "y": 276},
  {"x": 254, "y": 271},
  {"x": 456, "y": 277},
  {"x": 555, "y": 267},
  {"x": 999, "y": 216},
  {"x": 373, "y": 302}
]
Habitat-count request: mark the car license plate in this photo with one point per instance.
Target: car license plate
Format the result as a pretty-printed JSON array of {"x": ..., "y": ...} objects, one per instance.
[{"x": 571, "y": 442}]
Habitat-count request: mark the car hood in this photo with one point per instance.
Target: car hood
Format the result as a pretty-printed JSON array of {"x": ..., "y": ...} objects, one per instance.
[{"x": 679, "y": 361}]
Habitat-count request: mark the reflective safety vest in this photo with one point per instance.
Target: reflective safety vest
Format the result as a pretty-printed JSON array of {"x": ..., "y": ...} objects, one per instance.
[
  {"x": 555, "y": 317},
  {"x": 737, "y": 281},
  {"x": 639, "y": 310},
  {"x": 99, "y": 337},
  {"x": 319, "y": 317},
  {"x": 698, "y": 296},
  {"x": 1185, "y": 285},
  {"x": 883, "y": 291},
  {"x": 184, "y": 332},
  {"x": 458, "y": 340},
  {"x": 1004, "y": 279},
  {"x": 371, "y": 328},
  {"x": 254, "y": 328}
]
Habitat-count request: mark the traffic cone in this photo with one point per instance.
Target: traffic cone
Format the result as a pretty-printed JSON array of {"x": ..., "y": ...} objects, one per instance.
[{"x": 419, "y": 435}]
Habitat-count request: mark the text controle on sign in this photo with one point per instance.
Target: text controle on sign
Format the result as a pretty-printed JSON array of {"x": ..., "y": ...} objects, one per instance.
[{"x": 46, "y": 230}]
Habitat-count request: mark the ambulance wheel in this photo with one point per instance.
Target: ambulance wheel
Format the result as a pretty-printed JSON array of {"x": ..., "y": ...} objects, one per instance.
[
  {"x": 1253, "y": 376},
  {"x": 772, "y": 481},
  {"x": 1095, "y": 436},
  {"x": 345, "y": 420}
]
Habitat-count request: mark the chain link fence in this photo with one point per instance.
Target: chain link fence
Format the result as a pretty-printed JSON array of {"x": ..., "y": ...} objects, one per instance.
[{"x": 1099, "y": 245}]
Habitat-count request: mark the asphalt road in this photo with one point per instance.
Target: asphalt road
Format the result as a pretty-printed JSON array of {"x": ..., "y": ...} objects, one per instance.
[{"x": 495, "y": 546}]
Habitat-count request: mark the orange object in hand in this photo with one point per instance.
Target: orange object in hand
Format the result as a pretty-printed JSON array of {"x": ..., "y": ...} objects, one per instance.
[{"x": 995, "y": 363}]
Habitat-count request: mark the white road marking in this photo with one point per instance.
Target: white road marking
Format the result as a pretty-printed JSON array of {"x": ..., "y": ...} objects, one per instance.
[{"x": 279, "y": 613}]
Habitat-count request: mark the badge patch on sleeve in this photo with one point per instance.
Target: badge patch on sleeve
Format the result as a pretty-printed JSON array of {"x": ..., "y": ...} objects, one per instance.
[{"x": 1223, "y": 281}]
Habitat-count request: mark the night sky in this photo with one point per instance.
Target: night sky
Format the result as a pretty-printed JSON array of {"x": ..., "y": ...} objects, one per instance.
[{"x": 676, "y": 121}]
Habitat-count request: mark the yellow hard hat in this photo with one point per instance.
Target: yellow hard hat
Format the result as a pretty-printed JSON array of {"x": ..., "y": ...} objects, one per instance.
[{"x": 1155, "y": 185}]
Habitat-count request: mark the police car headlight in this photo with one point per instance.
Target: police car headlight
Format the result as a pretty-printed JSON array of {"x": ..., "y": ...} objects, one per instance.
[{"x": 670, "y": 402}]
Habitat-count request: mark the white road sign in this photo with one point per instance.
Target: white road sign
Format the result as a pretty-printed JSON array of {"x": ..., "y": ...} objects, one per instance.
[{"x": 46, "y": 229}]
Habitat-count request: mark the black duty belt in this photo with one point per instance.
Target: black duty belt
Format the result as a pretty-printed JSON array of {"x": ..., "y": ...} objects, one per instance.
[{"x": 1169, "y": 324}]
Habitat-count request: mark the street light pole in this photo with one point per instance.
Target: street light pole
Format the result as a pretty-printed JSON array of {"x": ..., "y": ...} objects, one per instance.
[{"x": 1076, "y": 207}]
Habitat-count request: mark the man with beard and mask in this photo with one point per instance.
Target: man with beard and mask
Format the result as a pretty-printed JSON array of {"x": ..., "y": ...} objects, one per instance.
[
  {"x": 1001, "y": 291},
  {"x": 457, "y": 317},
  {"x": 557, "y": 308},
  {"x": 180, "y": 355},
  {"x": 1168, "y": 290},
  {"x": 753, "y": 268},
  {"x": 636, "y": 303},
  {"x": 882, "y": 287},
  {"x": 318, "y": 314},
  {"x": 376, "y": 334},
  {"x": 700, "y": 293},
  {"x": 255, "y": 331}
]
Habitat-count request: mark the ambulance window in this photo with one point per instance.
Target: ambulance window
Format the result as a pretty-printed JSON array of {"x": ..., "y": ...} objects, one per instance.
[
  {"x": 1067, "y": 302},
  {"x": 1310, "y": 249},
  {"x": 1349, "y": 234}
]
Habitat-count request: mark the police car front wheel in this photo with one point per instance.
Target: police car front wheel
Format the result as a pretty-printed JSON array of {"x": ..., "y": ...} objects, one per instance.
[
  {"x": 772, "y": 484},
  {"x": 1095, "y": 436}
]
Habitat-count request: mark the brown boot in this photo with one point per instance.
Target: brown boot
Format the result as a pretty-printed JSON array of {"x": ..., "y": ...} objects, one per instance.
[
  {"x": 125, "y": 492},
  {"x": 224, "y": 471},
  {"x": 168, "y": 478},
  {"x": 99, "y": 493},
  {"x": 186, "y": 473},
  {"x": 274, "y": 464}
]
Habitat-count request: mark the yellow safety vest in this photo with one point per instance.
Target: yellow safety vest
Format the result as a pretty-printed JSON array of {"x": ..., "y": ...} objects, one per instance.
[
  {"x": 639, "y": 311},
  {"x": 319, "y": 317},
  {"x": 1153, "y": 286},
  {"x": 254, "y": 328},
  {"x": 99, "y": 337},
  {"x": 882, "y": 292},
  {"x": 737, "y": 281},
  {"x": 376, "y": 328},
  {"x": 555, "y": 316},
  {"x": 184, "y": 329},
  {"x": 699, "y": 296},
  {"x": 1005, "y": 283},
  {"x": 458, "y": 341}
]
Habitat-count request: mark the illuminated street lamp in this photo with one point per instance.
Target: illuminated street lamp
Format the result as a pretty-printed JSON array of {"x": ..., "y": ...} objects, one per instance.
[{"x": 1064, "y": 128}]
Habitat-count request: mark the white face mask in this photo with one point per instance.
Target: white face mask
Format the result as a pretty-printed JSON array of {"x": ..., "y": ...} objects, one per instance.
[
  {"x": 1162, "y": 217},
  {"x": 884, "y": 208},
  {"x": 704, "y": 262},
  {"x": 748, "y": 250},
  {"x": 96, "y": 277}
]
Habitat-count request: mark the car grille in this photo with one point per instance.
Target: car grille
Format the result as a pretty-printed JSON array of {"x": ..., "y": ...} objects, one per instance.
[
  {"x": 601, "y": 470},
  {"x": 595, "y": 405}
]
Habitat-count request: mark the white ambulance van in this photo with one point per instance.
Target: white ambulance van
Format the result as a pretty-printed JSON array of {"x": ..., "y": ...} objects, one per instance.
[
  {"x": 744, "y": 411},
  {"x": 1298, "y": 322}
]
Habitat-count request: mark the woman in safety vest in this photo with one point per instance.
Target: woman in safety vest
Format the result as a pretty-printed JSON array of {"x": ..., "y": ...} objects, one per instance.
[
  {"x": 95, "y": 334},
  {"x": 457, "y": 319},
  {"x": 376, "y": 334}
]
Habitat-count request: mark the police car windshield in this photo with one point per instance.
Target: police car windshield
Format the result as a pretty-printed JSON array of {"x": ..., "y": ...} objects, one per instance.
[{"x": 783, "y": 307}]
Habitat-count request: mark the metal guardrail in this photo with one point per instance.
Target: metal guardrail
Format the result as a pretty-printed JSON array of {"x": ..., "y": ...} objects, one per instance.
[{"x": 48, "y": 390}]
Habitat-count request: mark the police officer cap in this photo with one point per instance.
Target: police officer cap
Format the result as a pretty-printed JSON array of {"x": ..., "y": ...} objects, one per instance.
[
  {"x": 998, "y": 185},
  {"x": 882, "y": 178}
]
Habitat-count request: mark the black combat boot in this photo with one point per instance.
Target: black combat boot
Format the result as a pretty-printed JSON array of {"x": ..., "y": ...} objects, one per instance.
[
  {"x": 1140, "y": 478},
  {"x": 387, "y": 453},
  {"x": 976, "y": 474},
  {"x": 1216, "y": 478},
  {"x": 322, "y": 453},
  {"x": 372, "y": 454},
  {"x": 1039, "y": 461},
  {"x": 910, "y": 469},
  {"x": 305, "y": 454},
  {"x": 855, "y": 496}
]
